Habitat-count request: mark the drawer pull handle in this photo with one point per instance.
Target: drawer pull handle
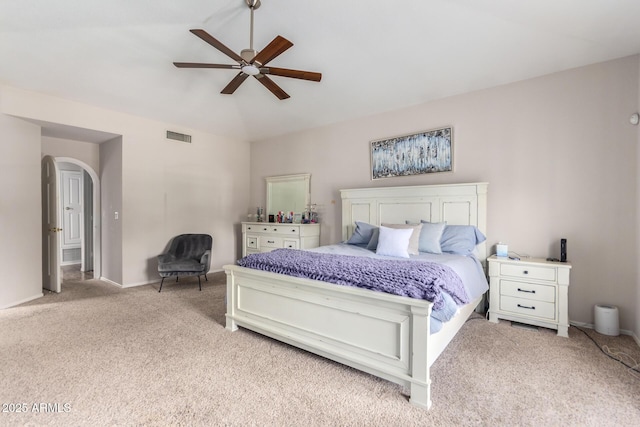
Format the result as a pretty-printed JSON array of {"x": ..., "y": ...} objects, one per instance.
[
  {"x": 270, "y": 241},
  {"x": 526, "y": 306},
  {"x": 293, "y": 230},
  {"x": 525, "y": 272},
  {"x": 524, "y": 290},
  {"x": 265, "y": 229},
  {"x": 248, "y": 228}
]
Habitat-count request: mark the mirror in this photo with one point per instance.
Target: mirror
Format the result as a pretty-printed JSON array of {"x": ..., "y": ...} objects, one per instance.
[{"x": 288, "y": 193}]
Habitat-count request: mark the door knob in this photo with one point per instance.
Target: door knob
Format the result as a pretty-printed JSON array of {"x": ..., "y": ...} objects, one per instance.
[
  {"x": 55, "y": 229},
  {"x": 68, "y": 208}
]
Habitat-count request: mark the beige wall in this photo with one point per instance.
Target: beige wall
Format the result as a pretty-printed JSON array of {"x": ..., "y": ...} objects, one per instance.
[
  {"x": 168, "y": 188},
  {"x": 111, "y": 189},
  {"x": 637, "y": 327},
  {"x": 20, "y": 213},
  {"x": 86, "y": 152},
  {"x": 559, "y": 154}
]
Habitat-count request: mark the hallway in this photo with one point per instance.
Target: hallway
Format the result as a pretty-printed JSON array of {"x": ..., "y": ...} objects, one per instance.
[{"x": 72, "y": 273}]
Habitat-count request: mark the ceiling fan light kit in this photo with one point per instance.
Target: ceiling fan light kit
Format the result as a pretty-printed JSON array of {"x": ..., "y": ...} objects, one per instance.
[{"x": 251, "y": 62}]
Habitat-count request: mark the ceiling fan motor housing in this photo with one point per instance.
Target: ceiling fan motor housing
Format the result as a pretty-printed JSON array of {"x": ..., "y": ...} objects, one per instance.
[{"x": 248, "y": 54}]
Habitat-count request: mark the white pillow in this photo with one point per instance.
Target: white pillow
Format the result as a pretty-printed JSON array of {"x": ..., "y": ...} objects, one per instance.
[
  {"x": 394, "y": 242},
  {"x": 414, "y": 242}
]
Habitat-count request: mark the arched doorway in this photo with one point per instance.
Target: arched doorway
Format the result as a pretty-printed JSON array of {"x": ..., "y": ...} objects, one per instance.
[{"x": 90, "y": 234}]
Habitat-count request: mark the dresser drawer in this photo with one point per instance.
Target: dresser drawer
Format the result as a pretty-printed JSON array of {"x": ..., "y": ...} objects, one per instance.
[
  {"x": 290, "y": 244},
  {"x": 528, "y": 272},
  {"x": 540, "y": 309},
  {"x": 270, "y": 242},
  {"x": 252, "y": 242},
  {"x": 267, "y": 236},
  {"x": 257, "y": 228},
  {"x": 530, "y": 291},
  {"x": 285, "y": 229}
]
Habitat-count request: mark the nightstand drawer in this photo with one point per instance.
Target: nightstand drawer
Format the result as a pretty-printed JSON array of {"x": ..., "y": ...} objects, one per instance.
[
  {"x": 270, "y": 242},
  {"x": 530, "y": 291},
  {"x": 528, "y": 272},
  {"x": 541, "y": 309}
]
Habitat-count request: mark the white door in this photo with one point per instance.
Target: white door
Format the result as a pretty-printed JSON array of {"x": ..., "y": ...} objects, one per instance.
[
  {"x": 50, "y": 228},
  {"x": 71, "y": 209}
]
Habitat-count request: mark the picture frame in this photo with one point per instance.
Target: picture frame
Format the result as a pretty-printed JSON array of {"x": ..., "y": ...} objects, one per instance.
[{"x": 415, "y": 154}]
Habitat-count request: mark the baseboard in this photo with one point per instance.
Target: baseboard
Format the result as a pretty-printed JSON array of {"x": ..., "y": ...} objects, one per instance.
[
  {"x": 13, "y": 304},
  {"x": 133, "y": 285},
  {"x": 111, "y": 282},
  {"x": 149, "y": 282},
  {"x": 622, "y": 331}
]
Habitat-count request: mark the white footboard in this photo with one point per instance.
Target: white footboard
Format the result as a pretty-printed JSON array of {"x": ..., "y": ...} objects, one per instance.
[{"x": 384, "y": 335}]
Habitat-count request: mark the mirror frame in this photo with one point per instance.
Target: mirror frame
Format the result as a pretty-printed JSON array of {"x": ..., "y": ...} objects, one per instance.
[{"x": 273, "y": 180}]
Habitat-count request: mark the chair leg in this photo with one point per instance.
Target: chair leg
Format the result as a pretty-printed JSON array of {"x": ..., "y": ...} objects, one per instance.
[
  {"x": 177, "y": 278},
  {"x": 199, "y": 283},
  {"x": 205, "y": 277},
  {"x": 161, "y": 282}
]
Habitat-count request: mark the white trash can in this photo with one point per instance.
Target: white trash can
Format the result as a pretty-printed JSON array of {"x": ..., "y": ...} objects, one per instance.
[{"x": 607, "y": 320}]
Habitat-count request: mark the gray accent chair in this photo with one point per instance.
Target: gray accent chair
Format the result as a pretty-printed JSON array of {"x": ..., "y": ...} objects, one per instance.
[{"x": 188, "y": 255}]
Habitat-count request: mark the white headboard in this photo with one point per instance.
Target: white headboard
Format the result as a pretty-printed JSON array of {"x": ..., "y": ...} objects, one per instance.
[{"x": 457, "y": 204}]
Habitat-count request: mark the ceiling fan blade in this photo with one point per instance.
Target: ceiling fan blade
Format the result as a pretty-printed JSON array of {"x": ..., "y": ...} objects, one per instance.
[
  {"x": 272, "y": 50},
  {"x": 296, "y": 74},
  {"x": 234, "y": 83},
  {"x": 200, "y": 65},
  {"x": 272, "y": 86},
  {"x": 217, "y": 44}
]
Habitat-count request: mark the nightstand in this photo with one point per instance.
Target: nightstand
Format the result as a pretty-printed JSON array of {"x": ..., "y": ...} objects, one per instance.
[{"x": 532, "y": 291}]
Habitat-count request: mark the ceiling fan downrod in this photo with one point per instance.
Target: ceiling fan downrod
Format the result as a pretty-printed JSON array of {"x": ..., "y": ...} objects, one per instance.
[{"x": 249, "y": 54}]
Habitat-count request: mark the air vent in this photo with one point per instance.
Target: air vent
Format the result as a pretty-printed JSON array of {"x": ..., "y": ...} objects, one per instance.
[{"x": 178, "y": 136}]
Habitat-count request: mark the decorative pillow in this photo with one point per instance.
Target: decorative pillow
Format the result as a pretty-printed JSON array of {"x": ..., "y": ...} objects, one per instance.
[
  {"x": 373, "y": 243},
  {"x": 414, "y": 243},
  {"x": 461, "y": 239},
  {"x": 430, "y": 236},
  {"x": 362, "y": 234},
  {"x": 394, "y": 241}
]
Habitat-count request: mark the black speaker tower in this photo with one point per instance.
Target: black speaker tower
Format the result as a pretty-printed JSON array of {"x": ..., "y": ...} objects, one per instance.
[{"x": 563, "y": 250}]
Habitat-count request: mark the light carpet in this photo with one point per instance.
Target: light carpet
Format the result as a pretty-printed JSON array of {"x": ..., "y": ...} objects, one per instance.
[{"x": 98, "y": 355}]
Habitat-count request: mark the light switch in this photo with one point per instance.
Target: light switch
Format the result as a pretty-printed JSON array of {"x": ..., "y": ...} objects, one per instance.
[{"x": 115, "y": 215}]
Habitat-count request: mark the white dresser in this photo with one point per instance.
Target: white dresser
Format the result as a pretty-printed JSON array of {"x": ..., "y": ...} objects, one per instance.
[
  {"x": 267, "y": 236},
  {"x": 532, "y": 291}
]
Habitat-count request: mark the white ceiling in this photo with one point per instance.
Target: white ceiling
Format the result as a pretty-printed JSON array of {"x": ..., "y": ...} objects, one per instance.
[{"x": 374, "y": 56}]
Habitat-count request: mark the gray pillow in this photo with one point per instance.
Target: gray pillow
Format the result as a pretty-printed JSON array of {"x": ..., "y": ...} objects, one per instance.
[
  {"x": 430, "y": 236},
  {"x": 362, "y": 234},
  {"x": 461, "y": 239}
]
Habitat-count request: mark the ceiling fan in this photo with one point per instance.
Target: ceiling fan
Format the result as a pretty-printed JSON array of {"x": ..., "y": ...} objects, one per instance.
[{"x": 251, "y": 62}]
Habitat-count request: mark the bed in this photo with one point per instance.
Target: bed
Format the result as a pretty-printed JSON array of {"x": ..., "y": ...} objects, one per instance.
[{"x": 378, "y": 333}]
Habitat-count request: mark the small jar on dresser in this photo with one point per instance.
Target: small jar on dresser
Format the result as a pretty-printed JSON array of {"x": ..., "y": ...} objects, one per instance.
[
  {"x": 532, "y": 291},
  {"x": 267, "y": 236}
]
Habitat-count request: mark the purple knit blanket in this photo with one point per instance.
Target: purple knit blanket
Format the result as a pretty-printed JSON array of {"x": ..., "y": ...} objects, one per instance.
[{"x": 413, "y": 279}]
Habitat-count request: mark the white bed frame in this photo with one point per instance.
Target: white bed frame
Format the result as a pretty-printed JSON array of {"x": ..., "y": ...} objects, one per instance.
[{"x": 382, "y": 334}]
